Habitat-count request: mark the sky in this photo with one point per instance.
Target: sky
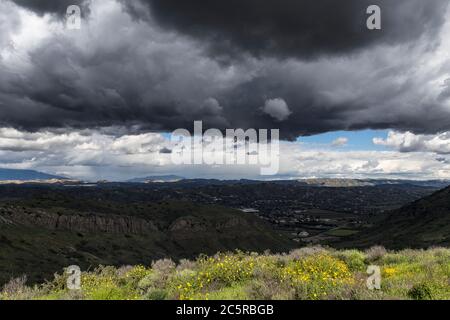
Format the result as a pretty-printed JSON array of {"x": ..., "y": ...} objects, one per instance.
[{"x": 100, "y": 102}]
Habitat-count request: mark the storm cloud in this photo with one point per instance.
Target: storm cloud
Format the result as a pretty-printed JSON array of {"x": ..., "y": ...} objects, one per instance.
[
  {"x": 292, "y": 28},
  {"x": 159, "y": 65},
  {"x": 59, "y": 8}
]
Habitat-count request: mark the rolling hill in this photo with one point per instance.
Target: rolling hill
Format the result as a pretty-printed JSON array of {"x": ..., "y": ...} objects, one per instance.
[
  {"x": 37, "y": 238},
  {"x": 421, "y": 224}
]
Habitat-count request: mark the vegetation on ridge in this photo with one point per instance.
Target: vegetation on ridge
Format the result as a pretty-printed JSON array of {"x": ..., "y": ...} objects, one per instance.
[{"x": 306, "y": 273}]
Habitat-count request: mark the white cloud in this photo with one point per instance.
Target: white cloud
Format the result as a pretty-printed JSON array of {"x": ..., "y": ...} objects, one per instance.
[
  {"x": 340, "y": 142},
  {"x": 277, "y": 109},
  {"x": 410, "y": 142},
  {"x": 91, "y": 155}
]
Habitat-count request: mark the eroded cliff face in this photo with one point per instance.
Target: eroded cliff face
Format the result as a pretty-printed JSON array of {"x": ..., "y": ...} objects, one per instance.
[
  {"x": 187, "y": 226},
  {"x": 91, "y": 223}
]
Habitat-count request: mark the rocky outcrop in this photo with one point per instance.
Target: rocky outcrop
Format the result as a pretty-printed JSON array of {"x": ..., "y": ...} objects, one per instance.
[
  {"x": 3, "y": 220},
  {"x": 231, "y": 223},
  {"x": 194, "y": 224},
  {"x": 188, "y": 223},
  {"x": 90, "y": 223}
]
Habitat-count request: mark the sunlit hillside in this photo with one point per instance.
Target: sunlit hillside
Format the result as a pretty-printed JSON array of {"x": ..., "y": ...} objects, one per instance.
[{"x": 308, "y": 273}]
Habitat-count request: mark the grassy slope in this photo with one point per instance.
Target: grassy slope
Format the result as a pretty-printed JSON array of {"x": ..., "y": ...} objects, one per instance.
[
  {"x": 39, "y": 252},
  {"x": 421, "y": 224},
  {"x": 308, "y": 273}
]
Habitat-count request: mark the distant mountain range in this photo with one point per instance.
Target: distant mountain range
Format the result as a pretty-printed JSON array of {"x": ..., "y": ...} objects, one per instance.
[
  {"x": 336, "y": 182},
  {"x": 33, "y": 175},
  {"x": 156, "y": 179},
  {"x": 319, "y": 182},
  {"x": 25, "y": 175}
]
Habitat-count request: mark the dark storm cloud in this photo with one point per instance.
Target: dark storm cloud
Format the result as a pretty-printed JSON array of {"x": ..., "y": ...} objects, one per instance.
[
  {"x": 295, "y": 28},
  {"x": 302, "y": 66},
  {"x": 57, "y": 7}
]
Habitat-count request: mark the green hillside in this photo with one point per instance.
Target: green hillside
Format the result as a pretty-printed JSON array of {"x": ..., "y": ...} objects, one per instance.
[
  {"x": 421, "y": 224},
  {"x": 38, "y": 238}
]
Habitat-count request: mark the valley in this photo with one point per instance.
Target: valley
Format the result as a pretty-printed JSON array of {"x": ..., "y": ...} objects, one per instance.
[{"x": 45, "y": 227}]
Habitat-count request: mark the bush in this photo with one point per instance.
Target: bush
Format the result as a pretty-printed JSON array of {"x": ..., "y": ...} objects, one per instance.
[
  {"x": 420, "y": 292},
  {"x": 269, "y": 289},
  {"x": 164, "y": 266},
  {"x": 375, "y": 253},
  {"x": 227, "y": 268},
  {"x": 16, "y": 289},
  {"x": 156, "y": 294},
  {"x": 146, "y": 282},
  {"x": 313, "y": 277},
  {"x": 134, "y": 274},
  {"x": 305, "y": 252},
  {"x": 354, "y": 259},
  {"x": 185, "y": 264}
]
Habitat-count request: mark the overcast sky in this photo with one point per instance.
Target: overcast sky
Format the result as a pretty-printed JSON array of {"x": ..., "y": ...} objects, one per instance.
[{"x": 98, "y": 102}]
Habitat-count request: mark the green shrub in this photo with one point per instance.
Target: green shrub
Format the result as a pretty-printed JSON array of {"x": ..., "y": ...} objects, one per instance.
[
  {"x": 420, "y": 292},
  {"x": 155, "y": 294},
  {"x": 354, "y": 259}
]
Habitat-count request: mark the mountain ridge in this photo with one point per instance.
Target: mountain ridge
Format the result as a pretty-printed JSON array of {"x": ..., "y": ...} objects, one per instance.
[
  {"x": 420, "y": 224},
  {"x": 26, "y": 175}
]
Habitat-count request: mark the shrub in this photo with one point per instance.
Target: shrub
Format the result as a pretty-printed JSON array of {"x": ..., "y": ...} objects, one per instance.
[
  {"x": 155, "y": 279},
  {"x": 297, "y": 254},
  {"x": 375, "y": 253},
  {"x": 185, "y": 264},
  {"x": 213, "y": 273},
  {"x": 155, "y": 294},
  {"x": 163, "y": 266},
  {"x": 354, "y": 259},
  {"x": 135, "y": 274},
  {"x": 160, "y": 274},
  {"x": 420, "y": 292},
  {"x": 269, "y": 289},
  {"x": 123, "y": 270},
  {"x": 146, "y": 282},
  {"x": 313, "y": 277},
  {"x": 227, "y": 268},
  {"x": 16, "y": 289}
]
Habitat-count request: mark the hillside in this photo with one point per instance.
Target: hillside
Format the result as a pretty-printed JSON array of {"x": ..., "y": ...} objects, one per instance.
[
  {"x": 423, "y": 223},
  {"x": 310, "y": 273},
  {"x": 37, "y": 238}
]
